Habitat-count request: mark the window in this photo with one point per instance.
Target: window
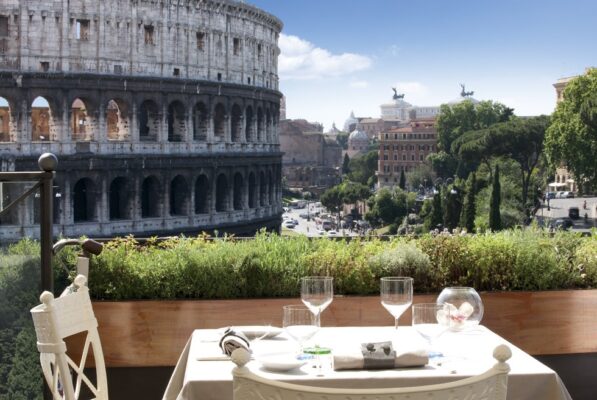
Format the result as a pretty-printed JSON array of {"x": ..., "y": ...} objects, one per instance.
[
  {"x": 249, "y": 81},
  {"x": 219, "y": 76},
  {"x": 395, "y": 157},
  {"x": 404, "y": 157},
  {"x": 412, "y": 157},
  {"x": 259, "y": 52},
  {"x": 236, "y": 46},
  {"x": 3, "y": 26},
  {"x": 118, "y": 69},
  {"x": 420, "y": 157},
  {"x": 176, "y": 72},
  {"x": 201, "y": 41},
  {"x": 149, "y": 34},
  {"x": 82, "y": 30},
  {"x": 45, "y": 66},
  {"x": 385, "y": 157}
]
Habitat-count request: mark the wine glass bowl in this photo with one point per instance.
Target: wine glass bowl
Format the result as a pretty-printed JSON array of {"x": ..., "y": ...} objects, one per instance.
[
  {"x": 317, "y": 292},
  {"x": 396, "y": 295},
  {"x": 300, "y": 323},
  {"x": 431, "y": 320}
]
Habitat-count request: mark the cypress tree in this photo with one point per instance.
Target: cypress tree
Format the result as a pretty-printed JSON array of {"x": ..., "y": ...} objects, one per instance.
[
  {"x": 437, "y": 214},
  {"x": 346, "y": 164},
  {"x": 402, "y": 180},
  {"x": 495, "y": 219},
  {"x": 467, "y": 219}
]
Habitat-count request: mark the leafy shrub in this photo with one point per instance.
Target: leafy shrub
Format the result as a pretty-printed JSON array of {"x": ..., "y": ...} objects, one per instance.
[{"x": 405, "y": 259}]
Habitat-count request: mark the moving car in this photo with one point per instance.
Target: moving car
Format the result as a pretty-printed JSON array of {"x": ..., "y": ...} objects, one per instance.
[
  {"x": 563, "y": 224},
  {"x": 288, "y": 224}
]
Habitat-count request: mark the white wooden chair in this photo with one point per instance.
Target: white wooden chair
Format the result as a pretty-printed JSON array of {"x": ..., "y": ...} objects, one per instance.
[
  {"x": 491, "y": 385},
  {"x": 56, "y": 319}
]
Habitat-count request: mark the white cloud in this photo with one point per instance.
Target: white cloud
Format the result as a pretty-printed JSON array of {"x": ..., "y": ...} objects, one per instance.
[
  {"x": 300, "y": 59},
  {"x": 359, "y": 84}
]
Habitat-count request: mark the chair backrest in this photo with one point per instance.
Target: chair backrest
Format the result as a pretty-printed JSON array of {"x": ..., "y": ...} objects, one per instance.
[
  {"x": 56, "y": 319},
  {"x": 491, "y": 385}
]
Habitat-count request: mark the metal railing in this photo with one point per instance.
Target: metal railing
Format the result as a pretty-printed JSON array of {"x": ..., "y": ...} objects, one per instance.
[{"x": 43, "y": 180}]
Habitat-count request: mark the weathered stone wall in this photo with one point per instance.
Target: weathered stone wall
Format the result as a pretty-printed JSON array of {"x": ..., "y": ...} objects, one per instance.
[
  {"x": 142, "y": 148},
  {"x": 220, "y": 40}
]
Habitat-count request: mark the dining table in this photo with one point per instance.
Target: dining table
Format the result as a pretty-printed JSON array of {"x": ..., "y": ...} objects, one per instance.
[{"x": 203, "y": 372}]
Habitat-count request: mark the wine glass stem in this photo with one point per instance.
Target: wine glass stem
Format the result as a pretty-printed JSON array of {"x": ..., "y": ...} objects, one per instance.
[
  {"x": 396, "y": 323},
  {"x": 318, "y": 318}
]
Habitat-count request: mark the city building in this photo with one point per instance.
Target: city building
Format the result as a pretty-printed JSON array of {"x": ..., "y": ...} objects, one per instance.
[
  {"x": 403, "y": 149},
  {"x": 402, "y": 111},
  {"x": 163, "y": 122},
  {"x": 312, "y": 158}
]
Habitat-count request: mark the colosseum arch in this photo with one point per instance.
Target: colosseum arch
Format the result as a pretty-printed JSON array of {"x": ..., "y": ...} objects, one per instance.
[
  {"x": 81, "y": 125},
  {"x": 202, "y": 195},
  {"x": 117, "y": 120},
  {"x": 85, "y": 197},
  {"x": 151, "y": 198},
  {"x": 238, "y": 191},
  {"x": 220, "y": 122},
  {"x": 179, "y": 196},
  {"x": 268, "y": 125},
  {"x": 252, "y": 191},
  {"x": 236, "y": 123},
  {"x": 262, "y": 189},
  {"x": 149, "y": 121},
  {"x": 260, "y": 125},
  {"x": 249, "y": 128},
  {"x": 222, "y": 193},
  {"x": 121, "y": 201},
  {"x": 42, "y": 120},
  {"x": 200, "y": 122},
  {"x": 6, "y": 129},
  {"x": 271, "y": 188},
  {"x": 177, "y": 124}
]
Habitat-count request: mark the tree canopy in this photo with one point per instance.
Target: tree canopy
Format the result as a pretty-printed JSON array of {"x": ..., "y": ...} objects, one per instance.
[{"x": 571, "y": 139}]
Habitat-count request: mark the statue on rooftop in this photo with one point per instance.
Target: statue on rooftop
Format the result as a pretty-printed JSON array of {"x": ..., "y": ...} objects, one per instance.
[
  {"x": 464, "y": 93},
  {"x": 397, "y": 96}
]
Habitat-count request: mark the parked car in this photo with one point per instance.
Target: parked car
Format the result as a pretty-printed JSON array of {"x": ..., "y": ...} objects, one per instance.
[
  {"x": 551, "y": 195},
  {"x": 321, "y": 232},
  {"x": 574, "y": 212},
  {"x": 563, "y": 224},
  {"x": 289, "y": 224},
  {"x": 332, "y": 233},
  {"x": 569, "y": 195}
]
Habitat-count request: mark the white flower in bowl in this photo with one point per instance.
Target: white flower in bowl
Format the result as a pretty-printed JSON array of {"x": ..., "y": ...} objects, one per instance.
[{"x": 455, "y": 317}]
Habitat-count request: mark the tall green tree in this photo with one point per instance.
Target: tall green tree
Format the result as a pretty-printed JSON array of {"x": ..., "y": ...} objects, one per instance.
[
  {"x": 453, "y": 121},
  {"x": 495, "y": 218},
  {"x": 436, "y": 217},
  {"x": 452, "y": 207},
  {"x": 402, "y": 180},
  {"x": 332, "y": 199},
  {"x": 518, "y": 139},
  {"x": 363, "y": 168},
  {"x": 467, "y": 219},
  {"x": 571, "y": 139},
  {"x": 346, "y": 164}
]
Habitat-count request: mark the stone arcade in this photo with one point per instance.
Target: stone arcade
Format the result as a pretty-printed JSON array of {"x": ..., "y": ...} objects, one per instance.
[{"x": 164, "y": 114}]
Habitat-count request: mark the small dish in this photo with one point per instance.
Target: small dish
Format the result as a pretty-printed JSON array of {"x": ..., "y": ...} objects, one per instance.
[
  {"x": 280, "y": 362},
  {"x": 256, "y": 332}
]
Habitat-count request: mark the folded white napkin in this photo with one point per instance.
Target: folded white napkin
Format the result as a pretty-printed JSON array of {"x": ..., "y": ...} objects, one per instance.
[
  {"x": 232, "y": 340},
  {"x": 379, "y": 356}
]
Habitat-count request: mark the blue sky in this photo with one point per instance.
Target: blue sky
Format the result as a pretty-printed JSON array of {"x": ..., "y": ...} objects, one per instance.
[{"x": 344, "y": 55}]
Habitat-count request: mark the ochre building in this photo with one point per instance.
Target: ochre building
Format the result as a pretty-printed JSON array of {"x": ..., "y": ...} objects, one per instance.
[{"x": 163, "y": 114}]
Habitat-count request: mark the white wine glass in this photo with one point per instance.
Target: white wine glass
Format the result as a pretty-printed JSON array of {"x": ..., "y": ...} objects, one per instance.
[
  {"x": 317, "y": 292},
  {"x": 396, "y": 295},
  {"x": 300, "y": 323},
  {"x": 431, "y": 320}
]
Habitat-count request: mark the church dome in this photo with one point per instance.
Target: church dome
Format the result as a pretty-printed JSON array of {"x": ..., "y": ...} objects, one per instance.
[
  {"x": 352, "y": 120},
  {"x": 358, "y": 136}
]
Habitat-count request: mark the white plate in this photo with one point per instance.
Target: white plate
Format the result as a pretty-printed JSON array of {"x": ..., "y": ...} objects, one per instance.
[
  {"x": 256, "y": 332},
  {"x": 280, "y": 362}
]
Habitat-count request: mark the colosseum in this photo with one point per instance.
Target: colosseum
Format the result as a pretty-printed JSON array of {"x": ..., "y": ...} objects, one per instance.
[{"x": 163, "y": 114}]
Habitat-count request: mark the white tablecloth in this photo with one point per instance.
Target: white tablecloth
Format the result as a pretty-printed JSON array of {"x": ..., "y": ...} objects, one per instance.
[{"x": 466, "y": 354}]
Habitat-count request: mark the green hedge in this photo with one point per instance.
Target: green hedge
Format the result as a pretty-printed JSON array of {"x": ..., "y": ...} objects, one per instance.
[{"x": 271, "y": 266}]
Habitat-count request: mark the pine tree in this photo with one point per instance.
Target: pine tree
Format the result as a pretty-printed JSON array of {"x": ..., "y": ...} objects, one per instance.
[
  {"x": 402, "y": 180},
  {"x": 495, "y": 219},
  {"x": 467, "y": 219},
  {"x": 346, "y": 164}
]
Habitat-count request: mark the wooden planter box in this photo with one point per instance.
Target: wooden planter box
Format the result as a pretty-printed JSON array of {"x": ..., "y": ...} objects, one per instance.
[{"x": 153, "y": 333}]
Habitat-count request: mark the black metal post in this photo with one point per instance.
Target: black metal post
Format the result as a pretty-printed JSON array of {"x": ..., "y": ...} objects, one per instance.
[{"x": 48, "y": 163}]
